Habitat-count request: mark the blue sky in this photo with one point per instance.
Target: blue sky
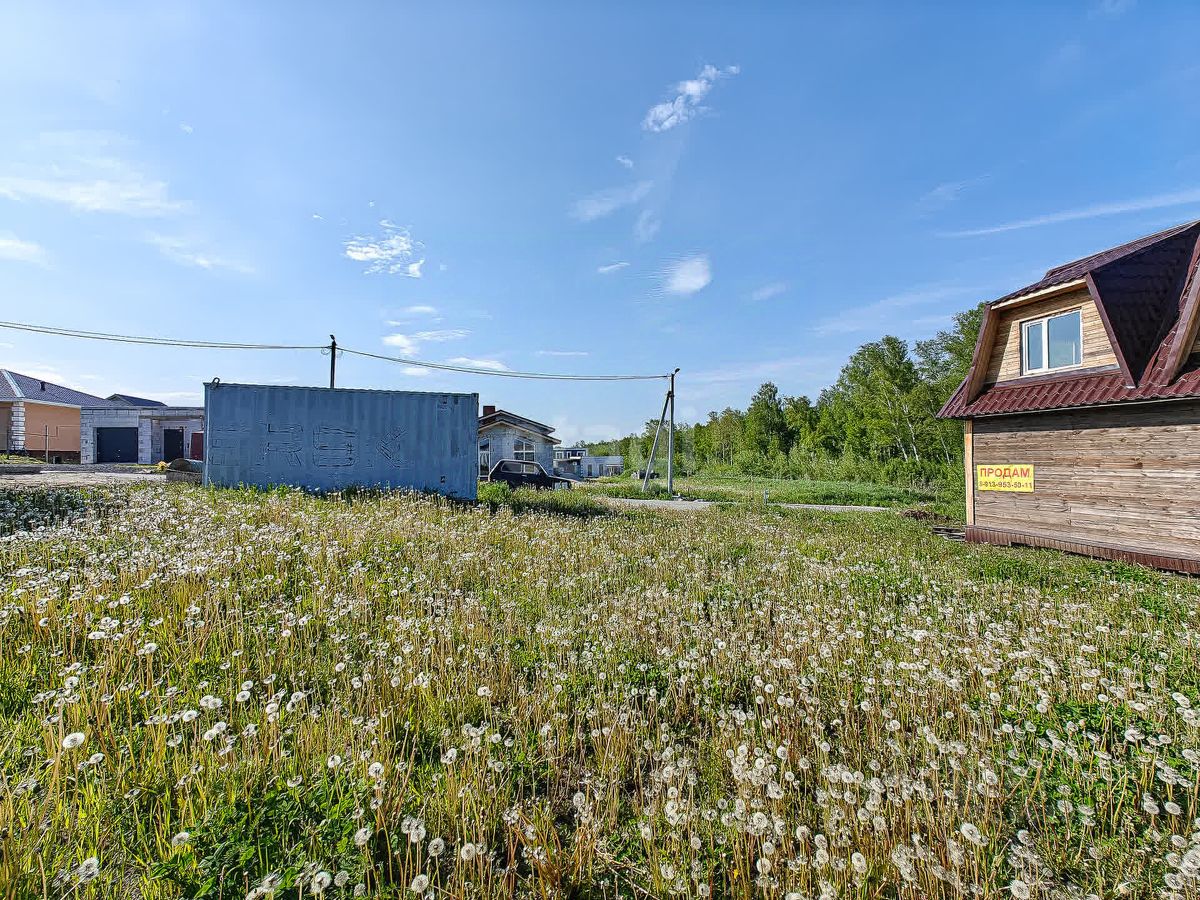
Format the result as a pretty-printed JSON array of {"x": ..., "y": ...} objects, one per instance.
[{"x": 746, "y": 192}]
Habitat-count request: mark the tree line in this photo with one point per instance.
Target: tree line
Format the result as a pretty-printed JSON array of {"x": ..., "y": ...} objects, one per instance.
[{"x": 876, "y": 422}]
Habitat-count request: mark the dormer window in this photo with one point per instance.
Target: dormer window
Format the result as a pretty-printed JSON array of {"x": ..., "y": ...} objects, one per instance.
[{"x": 1052, "y": 343}]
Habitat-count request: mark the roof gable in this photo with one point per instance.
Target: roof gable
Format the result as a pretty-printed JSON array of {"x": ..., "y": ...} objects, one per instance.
[
  {"x": 503, "y": 415},
  {"x": 37, "y": 390},
  {"x": 1146, "y": 294},
  {"x": 1139, "y": 296},
  {"x": 130, "y": 400},
  {"x": 1079, "y": 269}
]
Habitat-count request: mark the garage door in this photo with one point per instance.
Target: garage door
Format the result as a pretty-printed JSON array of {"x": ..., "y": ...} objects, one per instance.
[{"x": 116, "y": 445}]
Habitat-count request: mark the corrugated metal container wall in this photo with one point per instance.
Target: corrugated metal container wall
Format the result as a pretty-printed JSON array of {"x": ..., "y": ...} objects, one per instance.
[{"x": 329, "y": 439}]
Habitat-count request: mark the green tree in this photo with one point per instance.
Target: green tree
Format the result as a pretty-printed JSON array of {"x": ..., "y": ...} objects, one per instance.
[
  {"x": 878, "y": 390},
  {"x": 943, "y": 362},
  {"x": 765, "y": 429}
]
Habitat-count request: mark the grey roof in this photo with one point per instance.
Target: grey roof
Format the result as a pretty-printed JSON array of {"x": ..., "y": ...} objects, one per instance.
[
  {"x": 15, "y": 386},
  {"x": 504, "y": 417},
  {"x": 130, "y": 400}
]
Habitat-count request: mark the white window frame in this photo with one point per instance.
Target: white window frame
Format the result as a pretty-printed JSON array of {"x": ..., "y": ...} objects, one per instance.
[
  {"x": 485, "y": 462},
  {"x": 1044, "y": 321},
  {"x": 523, "y": 450}
]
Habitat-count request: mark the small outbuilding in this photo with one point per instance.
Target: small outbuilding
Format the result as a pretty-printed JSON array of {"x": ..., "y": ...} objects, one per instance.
[
  {"x": 506, "y": 435},
  {"x": 1082, "y": 408},
  {"x": 124, "y": 432}
]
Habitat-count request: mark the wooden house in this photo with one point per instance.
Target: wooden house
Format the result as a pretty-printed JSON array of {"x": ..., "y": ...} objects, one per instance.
[{"x": 1082, "y": 408}]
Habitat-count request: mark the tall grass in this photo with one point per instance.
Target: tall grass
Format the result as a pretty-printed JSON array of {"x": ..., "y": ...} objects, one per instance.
[{"x": 235, "y": 694}]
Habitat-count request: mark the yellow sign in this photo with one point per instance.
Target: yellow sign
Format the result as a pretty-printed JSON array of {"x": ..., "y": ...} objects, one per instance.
[{"x": 1004, "y": 478}]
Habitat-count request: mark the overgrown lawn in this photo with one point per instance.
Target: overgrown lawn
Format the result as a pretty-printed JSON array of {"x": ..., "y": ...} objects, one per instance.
[{"x": 237, "y": 694}]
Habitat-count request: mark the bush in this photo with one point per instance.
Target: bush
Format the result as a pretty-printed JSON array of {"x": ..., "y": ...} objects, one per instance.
[{"x": 568, "y": 503}]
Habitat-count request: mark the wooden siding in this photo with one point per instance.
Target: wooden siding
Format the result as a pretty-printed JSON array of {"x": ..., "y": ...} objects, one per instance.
[
  {"x": 1125, "y": 477},
  {"x": 1004, "y": 364},
  {"x": 977, "y": 534},
  {"x": 969, "y": 462}
]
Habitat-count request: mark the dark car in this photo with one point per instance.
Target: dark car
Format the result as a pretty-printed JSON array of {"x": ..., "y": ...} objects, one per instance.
[{"x": 516, "y": 473}]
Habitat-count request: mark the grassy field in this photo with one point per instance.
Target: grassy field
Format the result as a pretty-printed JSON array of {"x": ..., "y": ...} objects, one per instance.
[
  {"x": 228, "y": 694},
  {"x": 779, "y": 490},
  {"x": 20, "y": 459}
]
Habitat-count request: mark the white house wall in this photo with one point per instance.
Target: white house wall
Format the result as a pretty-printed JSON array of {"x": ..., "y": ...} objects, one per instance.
[
  {"x": 149, "y": 421},
  {"x": 503, "y": 438},
  {"x": 91, "y": 418},
  {"x": 158, "y": 425},
  {"x": 12, "y": 423}
]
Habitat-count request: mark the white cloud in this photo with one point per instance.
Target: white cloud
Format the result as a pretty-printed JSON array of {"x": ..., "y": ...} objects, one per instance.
[
  {"x": 390, "y": 252},
  {"x": 767, "y": 291},
  {"x": 603, "y": 203},
  {"x": 571, "y": 431},
  {"x": 625, "y": 161},
  {"x": 1094, "y": 211},
  {"x": 129, "y": 195},
  {"x": 646, "y": 226},
  {"x": 186, "y": 253},
  {"x": 687, "y": 101},
  {"x": 417, "y": 371},
  {"x": 318, "y": 217},
  {"x": 611, "y": 267},
  {"x": 687, "y": 276},
  {"x": 17, "y": 250},
  {"x": 563, "y": 353},
  {"x": 410, "y": 344},
  {"x": 472, "y": 362},
  {"x": 86, "y": 171},
  {"x": 402, "y": 342},
  {"x": 795, "y": 375},
  {"x": 445, "y": 334},
  {"x": 420, "y": 310},
  {"x": 1113, "y": 8},
  {"x": 805, "y": 366},
  {"x": 186, "y": 128},
  {"x": 869, "y": 316},
  {"x": 944, "y": 194}
]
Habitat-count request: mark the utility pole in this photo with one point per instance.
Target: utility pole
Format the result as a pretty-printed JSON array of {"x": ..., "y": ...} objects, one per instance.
[
  {"x": 332, "y": 359},
  {"x": 671, "y": 438},
  {"x": 654, "y": 446}
]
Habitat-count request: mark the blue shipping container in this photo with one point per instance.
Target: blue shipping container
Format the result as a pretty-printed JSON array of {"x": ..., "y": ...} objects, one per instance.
[{"x": 329, "y": 439}]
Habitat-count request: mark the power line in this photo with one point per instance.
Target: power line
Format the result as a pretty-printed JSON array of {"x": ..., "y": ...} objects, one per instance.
[
  {"x": 152, "y": 341},
  {"x": 229, "y": 345},
  {"x": 503, "y": 373}
]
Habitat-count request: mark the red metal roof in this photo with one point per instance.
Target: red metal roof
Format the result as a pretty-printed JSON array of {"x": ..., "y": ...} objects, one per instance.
[{"x": 1140, "y": 289}]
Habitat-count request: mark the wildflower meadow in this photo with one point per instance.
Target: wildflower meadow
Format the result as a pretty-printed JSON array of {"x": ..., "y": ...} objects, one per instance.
[{"x": 211, "y": 694}]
